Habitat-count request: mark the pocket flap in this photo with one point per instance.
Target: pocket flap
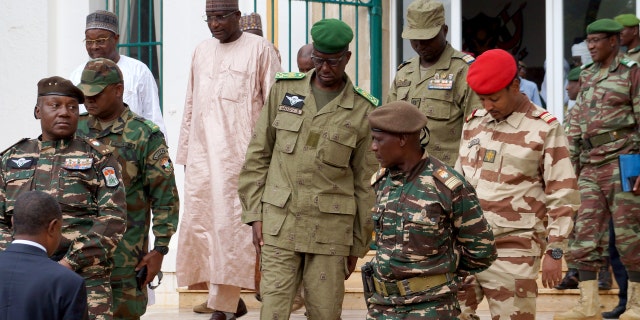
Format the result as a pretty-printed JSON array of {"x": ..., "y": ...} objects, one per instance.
[
  {"x": 343, "y": 137},
  {"x": 276, "y": 196},
  {"x": 288, "y": 122},
  {"x": 336, "y": 203}
]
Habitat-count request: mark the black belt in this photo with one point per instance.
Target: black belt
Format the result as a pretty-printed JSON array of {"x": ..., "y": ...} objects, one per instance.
[{"x": 603, "y": 138}]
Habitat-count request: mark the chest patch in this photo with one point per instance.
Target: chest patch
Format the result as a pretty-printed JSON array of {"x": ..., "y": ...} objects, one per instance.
[
  {"x": 441, "y": 82},
  {"x": 489, "y": 156},
  {"x": 110, "y": 178},
  {"x": 293, "y": 100},
  {"x": 77, "y": 163},
  {"x": 22, "y": 163}
]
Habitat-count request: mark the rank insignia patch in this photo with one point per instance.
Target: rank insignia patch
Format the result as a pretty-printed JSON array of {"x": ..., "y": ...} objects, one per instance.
[
  {"x": 489, "y": 156},
  {"x": 110, "y": 178}
]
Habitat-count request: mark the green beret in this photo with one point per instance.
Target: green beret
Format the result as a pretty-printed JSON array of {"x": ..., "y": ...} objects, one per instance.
[
  {"x": 58, "y": 86},
  {"x": 574, "y": 74},
  {"x": 627, "y": 20},
  {"x": 604, "y": 26},
  {"x": 397, "y": 117},
  {"x": 331, "y": 35}
]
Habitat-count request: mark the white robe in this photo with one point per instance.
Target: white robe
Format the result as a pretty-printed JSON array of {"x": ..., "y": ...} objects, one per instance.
[{"x": 228, "y": 85}]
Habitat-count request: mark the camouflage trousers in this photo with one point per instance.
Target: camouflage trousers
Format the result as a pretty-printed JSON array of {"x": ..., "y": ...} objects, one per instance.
[
  {"x": 282, "y": 272},
  {"x": 445, "y": 306},
  {"x": 602, "y": 199},
  {"x": 99, "y": 297},
  {"x": 509, "y": 286},
  {"x": 128, "y": 301}
]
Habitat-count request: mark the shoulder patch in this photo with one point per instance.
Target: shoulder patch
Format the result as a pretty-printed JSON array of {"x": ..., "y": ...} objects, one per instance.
[
  {"x": 366, "y": 95},
  {"x": 13, "y": 145},
  {"x": 476, "y": 113},
  {"x": 628, "y": 62},
  {"x": 468, "y": 58},
  {"x": 378, "y": 175},
  {"x": 546, "y": 117},
  {"x": 447, "y": 178},
  {"x": 290, "y": 75},
  {"x": 99, "y": 146},
  {"x": 404, "y": 63}
]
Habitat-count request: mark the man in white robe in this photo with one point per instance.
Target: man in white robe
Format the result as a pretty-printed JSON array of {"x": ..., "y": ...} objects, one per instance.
[{"x": 230, "y": 78}]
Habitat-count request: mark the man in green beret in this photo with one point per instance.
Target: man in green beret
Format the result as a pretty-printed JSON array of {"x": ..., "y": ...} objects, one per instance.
[
  {"x": 85, "y": 178},
  {"x": 630, "y": 36},
  {"x": 304, "y": 186},
  {"x": 602, "y": 125},
  {"x": 435, "y": 80},
  {"x": 448, "y": 237}
]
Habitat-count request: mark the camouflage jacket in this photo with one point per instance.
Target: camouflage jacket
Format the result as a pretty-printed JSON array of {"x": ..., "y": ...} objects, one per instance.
[
  {"x": 521, "y": 171},
  {"x": 608, "y": 100},
  {"x": 443, "y": 95},
  {"x": 428, "y": 222},
  {"x": 148, "y": 178},
  {"x": 85, "y": 178},
  {"x": 306, "y": 173}
]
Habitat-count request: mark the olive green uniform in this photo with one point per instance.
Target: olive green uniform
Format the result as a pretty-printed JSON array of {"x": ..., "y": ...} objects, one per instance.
[
  {"x": 306, "y": 177},
  {"x": 442, "y": 94}
]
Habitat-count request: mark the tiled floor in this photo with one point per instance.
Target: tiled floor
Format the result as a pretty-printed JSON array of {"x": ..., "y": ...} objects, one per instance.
[{"x": 173, "y": 313}]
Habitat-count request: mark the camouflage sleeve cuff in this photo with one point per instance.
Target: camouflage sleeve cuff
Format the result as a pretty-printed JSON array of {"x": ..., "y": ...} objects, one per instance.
[
  {"x": 161, "y": 242},
  {"x": 557, "y": 242}
]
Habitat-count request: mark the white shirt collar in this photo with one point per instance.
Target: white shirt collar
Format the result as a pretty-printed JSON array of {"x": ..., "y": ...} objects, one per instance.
[{"x": 31, "y": 243}]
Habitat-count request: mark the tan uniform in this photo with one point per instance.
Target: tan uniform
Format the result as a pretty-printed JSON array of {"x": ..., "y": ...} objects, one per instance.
[
  {"x": 444, "y": 97},
  {"x": 522, "y": 173},
  {"x": 306, "y": 177}
]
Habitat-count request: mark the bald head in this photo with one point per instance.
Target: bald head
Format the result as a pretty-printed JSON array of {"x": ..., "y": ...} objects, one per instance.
[{"x": 304, "y": 58}]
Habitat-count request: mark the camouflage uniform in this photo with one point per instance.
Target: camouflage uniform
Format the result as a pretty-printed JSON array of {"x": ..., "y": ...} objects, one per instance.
[
  {"x": 427, "y": 223},
  {"x": 442, "y": 94},
  {"x": 602, "y": 125},
  {"x": 528, "y": 191},
  {"x": 150, "y": 186},
  {"x": 85, "y": 178},
  {"x": 306, "y": 177},
  {"x": 634, "y": 54}
]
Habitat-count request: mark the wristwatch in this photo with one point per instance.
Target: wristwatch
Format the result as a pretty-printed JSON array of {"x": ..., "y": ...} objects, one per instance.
[
  {"x": 163, "y": 250},
  {"x": 555, "y": 253}
]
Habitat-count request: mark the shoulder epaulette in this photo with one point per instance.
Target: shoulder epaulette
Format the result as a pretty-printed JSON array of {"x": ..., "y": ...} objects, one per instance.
[
  {"x": 378, "y": 175},
  {"x": 99, "y": 146},
  {"x": 366, "y": 95},
  {"x": 628, "y": 62},
  {"x": 585, "y": 66},
  {"x": 545, "y": 116},
  {"x": 290, "y": 75},
  {"x": 468, "y": 58},
  {"x": 447, "y": 178},
  {"x": 476, "y": 113},
  {"x": 13, "y": 145},
  {"x": 404, "y": 63},
  {"x": 152, "y": 125}
]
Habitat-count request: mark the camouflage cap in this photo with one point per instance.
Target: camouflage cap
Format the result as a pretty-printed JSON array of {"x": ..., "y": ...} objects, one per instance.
[
  {"x": 97, "y": 74},
  {"x": 604, "y": 26},
  {"x": 627, "y": 20},
  {"x": 331, "y": 35},
  {"x": 397, "y": 117},
  {"x": 102, "y": 19},
  {"x": 58, "y": 86},
  {"x": 574, "y": 74},
  {"x": 425, "y": 18}
]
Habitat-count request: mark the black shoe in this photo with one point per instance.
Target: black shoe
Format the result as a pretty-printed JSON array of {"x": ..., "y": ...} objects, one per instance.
[
  {"x": 615, "y": 313},
  {"x": 570, "y": 280},
  {"x": 604, "y": 278},
  {"x": 241, "y": 310}
]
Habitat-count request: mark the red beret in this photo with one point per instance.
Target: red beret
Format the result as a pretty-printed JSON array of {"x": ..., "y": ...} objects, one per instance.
[{"x": 492, "y": 71}]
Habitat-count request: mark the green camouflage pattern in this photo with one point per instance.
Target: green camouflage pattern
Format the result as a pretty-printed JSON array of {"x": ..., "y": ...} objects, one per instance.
[
  {"x": 442, "y": 93},
  {"x": 129, "y": 302},
  {"x": 427, "y": 222},
  {"x": 446, "y": 307},
  {"x": 86, "y": 179},
  {"x": 97, "y": 74},
  {"x": 150, "y": 185}
]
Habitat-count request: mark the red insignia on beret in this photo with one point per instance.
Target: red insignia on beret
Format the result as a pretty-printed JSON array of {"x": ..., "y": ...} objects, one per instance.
[{"x": 492, "y": 71}]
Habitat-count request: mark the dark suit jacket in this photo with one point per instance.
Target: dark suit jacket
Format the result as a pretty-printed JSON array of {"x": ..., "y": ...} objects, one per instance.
[{"x": 34, "y": 287}]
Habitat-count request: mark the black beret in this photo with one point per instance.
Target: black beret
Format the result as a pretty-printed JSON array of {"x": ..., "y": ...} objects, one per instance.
[
  {"x": 58, "y": 86},
  {"x": 397, "y": 117}
]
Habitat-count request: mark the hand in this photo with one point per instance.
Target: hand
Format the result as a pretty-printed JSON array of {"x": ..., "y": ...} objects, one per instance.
[
  {"x": 551, "y": 271},
  {"x": 256, "y": 226},
  {"x": 65, "y": 263},
  {"x": 153, "y": 261},
  {"x": 351, "y": 265},
  {"x": 636, "y": 187}
]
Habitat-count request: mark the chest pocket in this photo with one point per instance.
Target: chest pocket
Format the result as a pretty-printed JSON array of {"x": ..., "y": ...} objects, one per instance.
[
  {"x": 234, "y": 84},
  {"x": 288, "y": 129},
  {"x": 17, "y": 181},
  {"x": 439, "y": 104},
  {"x": 80, "y": 187},
  {"x": 402, "y": 93},
  {"x": 336, "y": 147},
  {"x": 424, "y": 233}
]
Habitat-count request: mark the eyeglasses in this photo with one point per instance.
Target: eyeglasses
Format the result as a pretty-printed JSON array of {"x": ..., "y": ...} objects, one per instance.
[
  {"x": 217, "y": 18},
  {"x": 332, "y": 62},
  {"x": 98, "y": 42},
  {"x": 595, "y": 40}
]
